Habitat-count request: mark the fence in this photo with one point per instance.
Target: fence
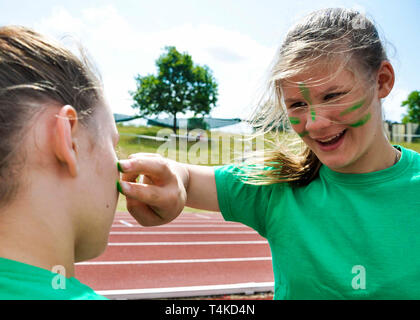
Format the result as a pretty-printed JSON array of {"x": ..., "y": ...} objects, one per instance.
[{"x": 398, "y": 132}]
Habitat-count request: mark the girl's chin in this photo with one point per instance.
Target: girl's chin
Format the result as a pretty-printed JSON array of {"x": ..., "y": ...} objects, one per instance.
[{"x": 334, "y": 162}]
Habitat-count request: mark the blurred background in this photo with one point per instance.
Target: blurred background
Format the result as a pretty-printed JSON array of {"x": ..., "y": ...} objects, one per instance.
[{"x": 235, "y": 39}]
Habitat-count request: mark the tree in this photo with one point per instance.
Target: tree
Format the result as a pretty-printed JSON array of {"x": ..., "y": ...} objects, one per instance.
[
  {"x": 178, "y": 87},
  {"x": 413, "y": 103}
]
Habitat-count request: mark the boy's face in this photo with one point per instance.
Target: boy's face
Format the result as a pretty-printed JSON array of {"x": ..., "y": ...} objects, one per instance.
[
  {"x": 335, "y": 117},
  {"x": 98, "y": 193}
]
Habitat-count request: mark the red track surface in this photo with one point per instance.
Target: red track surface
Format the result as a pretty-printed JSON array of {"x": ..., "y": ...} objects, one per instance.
[{"x": 198, "y": 253}]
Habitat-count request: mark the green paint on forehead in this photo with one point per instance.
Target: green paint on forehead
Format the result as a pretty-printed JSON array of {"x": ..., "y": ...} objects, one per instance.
[
  {"x": 294, "y": 120},
  {"x": 305, "y": 92},
  {"x": 361, "y": 121},
  {"x": 306, "y": 95},
  {"x": 352, "y": 108}
]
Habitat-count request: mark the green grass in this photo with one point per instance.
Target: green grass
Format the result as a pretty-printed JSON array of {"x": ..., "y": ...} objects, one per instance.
[
  {"x": 222, "y": 153},
  {"x": 203, "y": 153},
  {"x": 413, "y": 145}
]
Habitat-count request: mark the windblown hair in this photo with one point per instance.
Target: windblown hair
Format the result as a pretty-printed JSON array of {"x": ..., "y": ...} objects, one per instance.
[
  {"x": 36, "y": 72},
  {"x": 325, "y": 36}
]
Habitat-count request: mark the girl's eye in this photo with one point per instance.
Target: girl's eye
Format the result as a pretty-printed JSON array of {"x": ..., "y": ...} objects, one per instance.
[
  {"x": 333, "y": 95},
  {"x": 297, "y": 105}
]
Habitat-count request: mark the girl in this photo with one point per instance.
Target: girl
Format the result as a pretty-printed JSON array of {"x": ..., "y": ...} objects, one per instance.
[
  {"x": 341, "y": 216},
  {"x": 57, "y": 145}
]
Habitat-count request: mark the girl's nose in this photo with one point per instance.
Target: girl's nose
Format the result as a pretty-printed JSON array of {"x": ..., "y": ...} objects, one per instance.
[{"x": 316, "y": 120}]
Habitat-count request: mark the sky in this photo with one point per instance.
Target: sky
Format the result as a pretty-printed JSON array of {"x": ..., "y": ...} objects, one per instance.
[{"x": 236, "y": 39}]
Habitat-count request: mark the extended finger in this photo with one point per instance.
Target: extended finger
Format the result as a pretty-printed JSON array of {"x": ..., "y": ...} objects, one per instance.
[{"x": 157, "y": 168}]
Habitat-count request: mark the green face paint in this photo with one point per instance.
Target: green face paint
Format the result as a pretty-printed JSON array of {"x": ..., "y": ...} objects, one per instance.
[
  {"x": 294, "y": 120},
  {"x": 305, "y": 92},
  {"x": 302, "y": 134},
  {"x": 352, "y": 108},
  {"x": 361, "y": 121},
  {"x": 306, "y": 95}
]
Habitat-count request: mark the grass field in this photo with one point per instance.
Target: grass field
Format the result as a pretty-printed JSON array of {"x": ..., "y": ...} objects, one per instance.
[
  {"x": 222, "y": 148},
  {"x": 226, "y": 150},
  {"x": 413, "y": 146}
]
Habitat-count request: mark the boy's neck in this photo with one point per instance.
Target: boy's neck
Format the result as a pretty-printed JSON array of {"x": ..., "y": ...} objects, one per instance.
[{"x": 32, "y": 235}]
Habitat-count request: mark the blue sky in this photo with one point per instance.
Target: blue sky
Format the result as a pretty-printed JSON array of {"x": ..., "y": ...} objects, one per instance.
[{"x": 237, "y": 39}]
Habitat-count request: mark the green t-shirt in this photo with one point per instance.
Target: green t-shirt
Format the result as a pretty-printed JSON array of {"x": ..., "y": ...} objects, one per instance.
[
  {"x": 343, "y": 236},
  {"x": 21, "y": 281}
]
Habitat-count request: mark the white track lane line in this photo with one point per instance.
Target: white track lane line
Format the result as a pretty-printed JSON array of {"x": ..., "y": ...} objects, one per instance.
[
  {"x": 184, "y": 243},
  {"x": 126, "y": 223},
  {"x": 175, "y": 222},
  {"x": 104, "y": 263},
  {"x": 189, "y": 226},
  {"x": 179, "y": 232},
  {"x": 202, "y": 216},
  {"x": 190, "y": 291}
]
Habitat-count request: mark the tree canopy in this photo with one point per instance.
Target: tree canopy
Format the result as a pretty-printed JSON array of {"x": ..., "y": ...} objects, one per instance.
[
  {"x": 179, "y": 86},
  {"x": 413, "y": 104}
]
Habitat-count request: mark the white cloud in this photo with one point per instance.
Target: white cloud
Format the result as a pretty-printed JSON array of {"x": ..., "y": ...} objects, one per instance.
[{"x": 121, "y": 51}]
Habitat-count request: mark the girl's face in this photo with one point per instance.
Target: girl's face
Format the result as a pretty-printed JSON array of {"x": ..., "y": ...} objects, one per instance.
[{"x": 335, "y": 118}]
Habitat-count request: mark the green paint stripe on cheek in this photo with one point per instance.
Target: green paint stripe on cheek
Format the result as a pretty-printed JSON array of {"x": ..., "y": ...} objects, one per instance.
[
  {"x": 294, "y": 120},
  {"x": 362, "y": 121},
  {"x": 352, "y": 108},
  {"x": 302, "y": 134}
]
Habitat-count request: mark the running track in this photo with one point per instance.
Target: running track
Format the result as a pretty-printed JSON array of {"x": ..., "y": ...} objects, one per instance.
[{"x": 196, "y": 254}]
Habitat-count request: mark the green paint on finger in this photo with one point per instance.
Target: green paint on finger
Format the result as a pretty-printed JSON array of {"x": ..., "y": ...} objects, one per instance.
[
  {"x": 294, "y": 120},
  {"x": 361, "y": 121},
  {"x": 352, "y": 108},
  {"x": 119, "y": 167},
  {"x": 119, "y": 187}
]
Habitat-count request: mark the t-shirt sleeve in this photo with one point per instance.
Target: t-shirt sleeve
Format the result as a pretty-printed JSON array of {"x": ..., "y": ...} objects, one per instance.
[{"x": 240, "y": 201}]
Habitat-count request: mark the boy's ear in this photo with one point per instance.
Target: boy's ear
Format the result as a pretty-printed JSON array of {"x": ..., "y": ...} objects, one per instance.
[{"x": 64, "y": 146}]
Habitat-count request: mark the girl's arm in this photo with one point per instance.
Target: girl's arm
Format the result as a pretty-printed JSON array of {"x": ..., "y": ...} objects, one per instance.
[
  {"x": 166, "y": 188},
  {"x": 201, "y": 189}
]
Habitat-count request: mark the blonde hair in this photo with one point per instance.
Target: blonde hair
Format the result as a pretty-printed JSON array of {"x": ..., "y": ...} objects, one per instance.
[{"x": 324, "y": 36}]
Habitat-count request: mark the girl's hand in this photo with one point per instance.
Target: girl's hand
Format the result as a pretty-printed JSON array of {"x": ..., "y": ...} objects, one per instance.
[{"x": 160, "y": 195}]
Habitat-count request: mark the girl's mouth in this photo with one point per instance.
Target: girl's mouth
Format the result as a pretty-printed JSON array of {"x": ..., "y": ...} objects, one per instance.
[{"x": 331, "y": 143}]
